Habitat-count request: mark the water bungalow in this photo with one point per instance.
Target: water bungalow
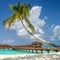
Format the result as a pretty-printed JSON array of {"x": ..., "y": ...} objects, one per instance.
[{"x": 36, "y": 44}]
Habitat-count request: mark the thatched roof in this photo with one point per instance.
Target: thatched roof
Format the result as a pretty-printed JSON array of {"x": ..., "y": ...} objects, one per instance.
[{"x": 35, "y": 43}]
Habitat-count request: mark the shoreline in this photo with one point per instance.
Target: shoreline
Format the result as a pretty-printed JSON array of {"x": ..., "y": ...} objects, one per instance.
[{"x": 44, "y": 56}]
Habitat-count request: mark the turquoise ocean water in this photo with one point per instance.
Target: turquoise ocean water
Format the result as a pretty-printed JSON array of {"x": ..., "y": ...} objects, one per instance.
[{"x": 12, "y": 51}]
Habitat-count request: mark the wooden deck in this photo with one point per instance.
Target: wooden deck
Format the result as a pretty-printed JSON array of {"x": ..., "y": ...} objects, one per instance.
[
  {"x": 28, "y": 48},
  {"x": 36, "y": 49}
]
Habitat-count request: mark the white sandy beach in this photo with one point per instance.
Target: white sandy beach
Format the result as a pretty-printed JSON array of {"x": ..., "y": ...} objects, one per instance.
[{"x": 53, "y": 56}]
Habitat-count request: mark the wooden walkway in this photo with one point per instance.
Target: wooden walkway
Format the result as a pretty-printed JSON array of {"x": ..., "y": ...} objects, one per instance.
[
  {"x": 36, "y": 49},
  {"x": 28, "y": 48}
]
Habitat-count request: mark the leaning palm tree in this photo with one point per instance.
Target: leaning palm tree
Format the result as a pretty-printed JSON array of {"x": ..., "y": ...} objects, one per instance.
[{"x": 21, "y": 12}]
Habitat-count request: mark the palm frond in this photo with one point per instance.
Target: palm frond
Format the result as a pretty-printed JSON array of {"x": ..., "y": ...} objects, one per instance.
[
  {"x": 30, "y": 25},
  {"x": 13, "y": 7},
  {"x": 20, "y": 11},
  {"x": 18, "y": 5},
  {"x": 12, "y": 20},
  {"x": 6, "y": 21},
  {"x": 26, "y": 9}
]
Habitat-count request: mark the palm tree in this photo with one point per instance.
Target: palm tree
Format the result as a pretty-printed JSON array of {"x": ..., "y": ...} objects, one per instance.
[{"x": 21, "y": 12}]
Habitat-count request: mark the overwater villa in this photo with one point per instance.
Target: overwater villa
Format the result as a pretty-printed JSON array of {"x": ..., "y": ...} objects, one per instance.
[{"x": 36, "y": 44}]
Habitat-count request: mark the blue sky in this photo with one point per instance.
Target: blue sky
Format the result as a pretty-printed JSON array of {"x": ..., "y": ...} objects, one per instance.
[{"x": 49, "y": 19}]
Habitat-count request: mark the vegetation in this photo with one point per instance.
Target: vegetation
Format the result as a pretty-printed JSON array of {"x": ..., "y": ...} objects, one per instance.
[{"x": 21, "y": 12}]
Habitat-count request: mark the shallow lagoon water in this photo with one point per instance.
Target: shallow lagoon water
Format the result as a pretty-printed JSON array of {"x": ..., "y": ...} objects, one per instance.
[{"x": 12, "y": 51}]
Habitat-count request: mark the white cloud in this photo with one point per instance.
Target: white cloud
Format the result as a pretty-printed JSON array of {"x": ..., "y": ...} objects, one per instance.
[
  {"x": 41, "y": 31},
  {"x": 38, "y": 32},
  {"x": 34, "y": 16},
  {"x": 45, "y": 17},
  {"x": 52, "y": 26},
  {"x": 7, "y": 41},
  {"x": 17, "y": 25},
  {"x": 22, "y": 32},
  {"x": 56, "y": 33},
  {"x": 34, "y": 19}
]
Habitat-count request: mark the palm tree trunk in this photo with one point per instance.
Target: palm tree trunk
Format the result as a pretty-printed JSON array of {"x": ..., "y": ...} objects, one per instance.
[{"x": 36, "y": 36}]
